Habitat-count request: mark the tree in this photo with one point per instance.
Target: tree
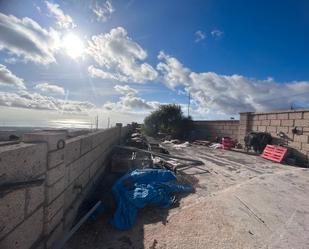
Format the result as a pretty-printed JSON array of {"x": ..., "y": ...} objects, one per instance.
[{"x": 168, "y": 119}]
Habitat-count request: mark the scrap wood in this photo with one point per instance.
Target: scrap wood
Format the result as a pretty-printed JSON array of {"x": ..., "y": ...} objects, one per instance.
[
  {"x": 202, "y": 142},
  {"x": 196, "y": 162},
  {"x": 254, "y": 214}
]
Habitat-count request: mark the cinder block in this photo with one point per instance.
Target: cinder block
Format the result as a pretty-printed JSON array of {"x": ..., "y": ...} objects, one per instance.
[
  {"x": 55, "y": 190},
  {"x": 12, "y": 207},
  {"x": 275, "y": 122},
  {"x": 56, "y": 235},
  {"x": 265, "y": 122},
  {"x": 70, "y": 195},
  {"x": 83, "y": 179},
  {"x": 306, "y": 115},
  {"x": 262, "y": 117},
  {"x": 295, "y": 145},
  {"x": 282, "y": 129},
  {"x": 295, "y": 115},
  {"x": 86, "y": 144},
  {"x": 305, "y": 146},
  {"x": 302, "y": 122},
  {"x": 53, "y": 139},
  {"x": 22, "y": 161},
  {"x": 72, "y": 150},
  {"x": 76, "y": 168},
  {"x": 67, "y": 175},
  {"x": 262, "y": 128},
  {"x": 272, "y": 129},
  {"x": 55, "y": 158},
  {"x": 34, "y": 198},
  {"x": 283, "y": 116},
  {"x": 301, "y": 138},
  {"x": 54, "y": 221},
  {"x": 26, "y": 234},
  {"x": 272, "y": 116},
  {"x": 69, "y": 217},
  {"x": 54, "y": 174},
  {"x": 53, "y": 208},
  {"x": 287, "y": 122}
]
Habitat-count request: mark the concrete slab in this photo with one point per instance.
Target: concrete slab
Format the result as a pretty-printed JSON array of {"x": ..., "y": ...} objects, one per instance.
[{"x": 241, "y": 201}]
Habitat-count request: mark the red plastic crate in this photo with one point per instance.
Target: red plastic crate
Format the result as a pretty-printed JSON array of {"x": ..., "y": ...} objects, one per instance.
[{"x": 274, "y": 153}]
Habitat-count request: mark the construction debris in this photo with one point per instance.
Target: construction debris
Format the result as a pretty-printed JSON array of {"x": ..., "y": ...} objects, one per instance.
[{"x": 141, "y": 188}]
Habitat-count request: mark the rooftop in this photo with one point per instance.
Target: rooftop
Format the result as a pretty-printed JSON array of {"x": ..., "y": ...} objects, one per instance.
[{"x": 241, "y": 201}]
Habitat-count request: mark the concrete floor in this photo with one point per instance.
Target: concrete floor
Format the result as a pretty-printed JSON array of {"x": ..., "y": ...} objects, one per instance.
[{"x": 241, "y": 201}]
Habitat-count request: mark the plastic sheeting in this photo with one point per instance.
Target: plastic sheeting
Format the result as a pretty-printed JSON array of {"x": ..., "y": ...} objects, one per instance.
[{"x": 143, "y": 187}]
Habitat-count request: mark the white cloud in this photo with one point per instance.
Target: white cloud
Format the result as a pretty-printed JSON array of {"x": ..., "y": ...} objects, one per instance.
[
  {"x": 231, "y": 94},
  {"x": 63, "y": 21},
  {"x": 27, "y": 39},
  {"x": 50, "y": 88},
  {"x": 217, "y": 34},
  {"x": 119, "y": 58},
  {"x": 32, "y": 100},
  {"x": 199, "y": 36},
  {"x": 174, "y": 73},
  {"x": 102, "y": 11},
  {"x": 8, "y": 78},
  {"x": 99, "y": 73},
  {"x": 129, "y": 101},
  {"x": 126, "y": 90}
]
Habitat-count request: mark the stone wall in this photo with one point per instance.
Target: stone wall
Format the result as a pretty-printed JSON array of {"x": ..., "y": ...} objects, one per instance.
[
  {"x": 37, "y": 216},
  {"x": 209, "y": 129},
  {"x": 280, "y": 122}
]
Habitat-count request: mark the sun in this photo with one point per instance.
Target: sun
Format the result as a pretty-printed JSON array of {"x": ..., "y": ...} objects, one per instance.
[{"x": 73, "y": 45}]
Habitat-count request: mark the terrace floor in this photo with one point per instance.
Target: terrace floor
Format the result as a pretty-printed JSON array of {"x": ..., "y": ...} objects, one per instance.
[{"x": 241, "y": 201}]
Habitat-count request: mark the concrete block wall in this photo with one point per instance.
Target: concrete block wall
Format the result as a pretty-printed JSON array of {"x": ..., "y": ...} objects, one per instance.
[
  {"x": 22, "y": 208},
  {"x": 37, "y": 216},
  {"x": 210, "y": 129},
  {"x": 280, "y": 121}
]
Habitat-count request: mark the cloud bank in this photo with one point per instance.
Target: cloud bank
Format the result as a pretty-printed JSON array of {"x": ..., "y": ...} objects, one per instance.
[
  {"x": 8, "y": 78},
  {"x": 63, "y": 21},
  {"x": 26, "y": 39},
  {"x": 129, "y": 101},
  {"x": 230, "y": 94},
  {"x": 119, "y": 58},
  {"x": 50, "y": 88}
]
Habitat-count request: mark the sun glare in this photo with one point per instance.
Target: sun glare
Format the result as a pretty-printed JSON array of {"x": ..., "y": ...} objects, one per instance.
[{"x": 73, "y": 45}]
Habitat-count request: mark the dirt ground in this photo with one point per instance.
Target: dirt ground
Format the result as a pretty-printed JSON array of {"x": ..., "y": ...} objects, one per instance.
[{"x": 241, "y": 201}]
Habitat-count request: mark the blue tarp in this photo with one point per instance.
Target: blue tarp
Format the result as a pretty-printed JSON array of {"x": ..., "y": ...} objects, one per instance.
[{"x": 142, "y": 187}]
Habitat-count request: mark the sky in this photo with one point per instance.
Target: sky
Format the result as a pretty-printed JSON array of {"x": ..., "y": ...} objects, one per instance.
[{"x": 64, "y": 62}]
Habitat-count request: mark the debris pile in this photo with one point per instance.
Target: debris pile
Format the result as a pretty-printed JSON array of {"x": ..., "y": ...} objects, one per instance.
[{"x": 140, "y": 188}]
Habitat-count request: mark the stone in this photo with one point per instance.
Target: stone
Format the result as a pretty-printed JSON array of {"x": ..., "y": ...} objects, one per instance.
[
  {"x": 295, "y": 115},
  {"x": 12, "y": 210},
  {"x": 22, "y": 161},
  {"x": 86, "y": 144},
  {"x": 26, "y": 234},
  {"x": 72, "y": 150},
  {"x": 54, "y": 174},
  {"x": 35, "y": 197},
  {"x": 55, "y": 158},
  {"x": 54, "y": 139},
  {"x": 55, "y": 190}
]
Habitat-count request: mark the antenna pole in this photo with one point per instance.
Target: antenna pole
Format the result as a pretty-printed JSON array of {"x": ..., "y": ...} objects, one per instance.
[{"x": 189, "y": 98}]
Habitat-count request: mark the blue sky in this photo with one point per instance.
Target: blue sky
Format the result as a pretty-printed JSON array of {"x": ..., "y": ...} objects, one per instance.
[{"x": 121, "y": 59}]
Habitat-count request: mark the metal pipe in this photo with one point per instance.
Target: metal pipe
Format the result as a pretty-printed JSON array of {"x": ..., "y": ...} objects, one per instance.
[{"x": 59, "y": 244}]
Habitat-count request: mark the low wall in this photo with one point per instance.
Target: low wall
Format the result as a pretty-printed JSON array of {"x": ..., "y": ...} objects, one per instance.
[
  {"x": 36, "y": 216},
  {"x": 209, "y": 129},
  {"x": 280, "y": 121}
]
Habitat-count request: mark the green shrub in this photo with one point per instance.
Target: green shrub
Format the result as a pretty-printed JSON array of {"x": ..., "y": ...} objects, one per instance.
[{"x": 168, "y": 119}]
